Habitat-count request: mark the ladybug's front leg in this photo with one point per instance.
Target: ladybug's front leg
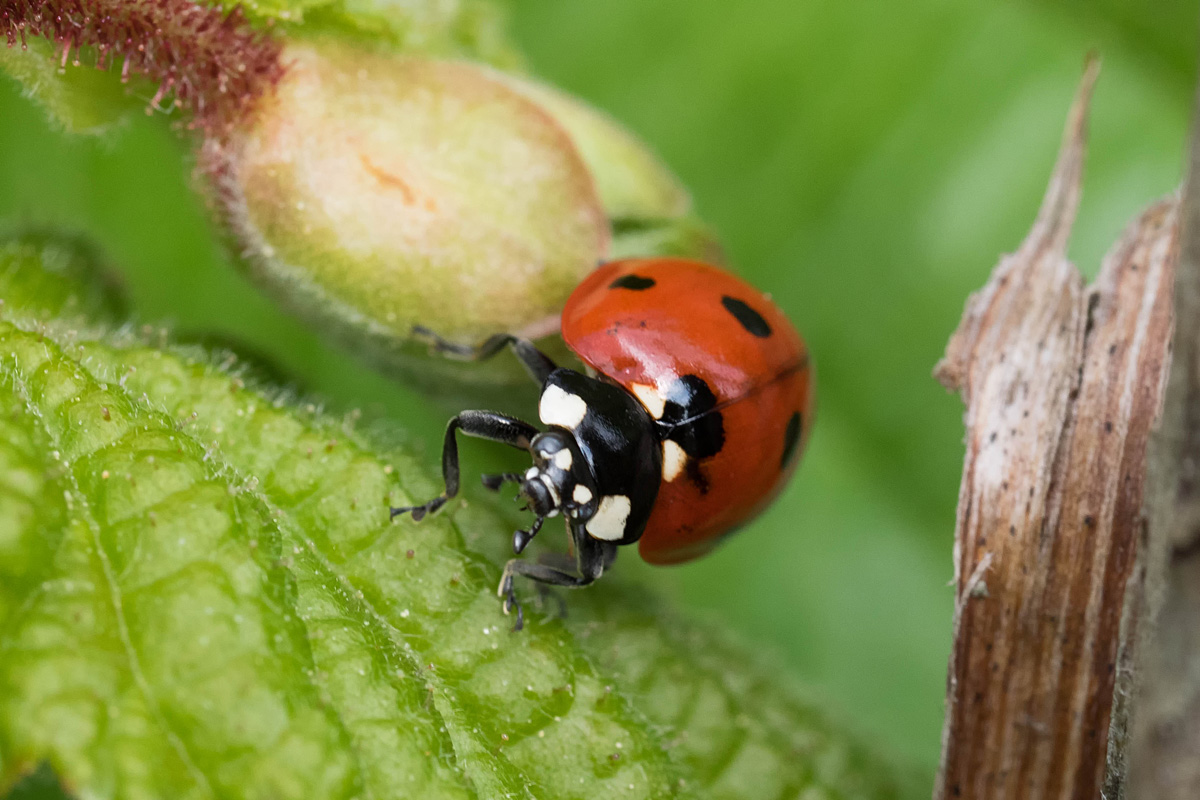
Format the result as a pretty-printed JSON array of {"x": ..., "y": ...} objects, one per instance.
[
  {"x": 545, "y": 592},
  {"x": 593, "y": 556},
  {"x": 536, "y": 363},
  {"x": 494, "y": 481},
  {"x": 481, "y": 424},
  {"x": 522, "y": 538}
]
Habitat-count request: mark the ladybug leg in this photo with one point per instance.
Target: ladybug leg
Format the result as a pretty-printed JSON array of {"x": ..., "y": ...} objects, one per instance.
[
  {"x": 483, "y": 425},
  {"x": 521, "y": 539},
  {"x": 494, "y": 482},
  {"x": 545, "y": 593},
  {"x": 562, "y": 561},
  {"x": 593, "y": 556},
  {"x": 536, "y": 363}
]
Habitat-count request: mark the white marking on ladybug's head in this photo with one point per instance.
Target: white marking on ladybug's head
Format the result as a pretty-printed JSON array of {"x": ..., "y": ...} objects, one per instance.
[
  {"x": 650, "y": 397},
  {"x": 608, "y": 523},
  {"x": 531, "y": 473},
  {"x": 559, "y": 407},
  {"x": 563, "y": 459},
  {"x": 582, "y": 494},
  {"x": 674, "y": 459},
  {"x": 552, "y": 489}
]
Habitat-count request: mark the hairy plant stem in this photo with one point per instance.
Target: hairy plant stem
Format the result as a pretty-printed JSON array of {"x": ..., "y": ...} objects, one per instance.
[{"x": 206, "y": 60}]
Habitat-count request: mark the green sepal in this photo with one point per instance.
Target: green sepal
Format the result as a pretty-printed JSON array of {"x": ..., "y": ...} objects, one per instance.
[{"x": 80, "y": 101}]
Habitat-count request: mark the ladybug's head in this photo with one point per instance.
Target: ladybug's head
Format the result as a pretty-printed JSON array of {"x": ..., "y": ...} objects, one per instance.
[{"x": 552, "y": 479}]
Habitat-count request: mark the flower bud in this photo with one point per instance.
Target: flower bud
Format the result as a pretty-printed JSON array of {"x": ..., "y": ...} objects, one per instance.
[
  {"x": 374, "y": 193},
  {"x": 633, "y": 184},
  {"x": 647, "y": 205},
  {"x": 377, "y": 192}
]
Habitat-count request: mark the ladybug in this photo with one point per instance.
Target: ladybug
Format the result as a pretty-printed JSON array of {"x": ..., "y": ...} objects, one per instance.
[{"x": 694, "y": 410}]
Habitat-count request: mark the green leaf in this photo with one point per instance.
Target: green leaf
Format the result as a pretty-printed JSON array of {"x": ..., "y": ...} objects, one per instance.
[
  {"x": 47, "y": 274},
  {"x": 201, "y": 594}
]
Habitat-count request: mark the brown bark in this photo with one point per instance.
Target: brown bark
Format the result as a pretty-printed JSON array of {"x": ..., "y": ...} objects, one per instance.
[
  {"x": 1062, "y": 383},
  {"x": 1165, "y": 752}
]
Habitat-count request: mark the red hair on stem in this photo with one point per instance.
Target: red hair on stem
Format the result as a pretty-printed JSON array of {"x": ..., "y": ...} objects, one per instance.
[{"x": 211, "y": 63}]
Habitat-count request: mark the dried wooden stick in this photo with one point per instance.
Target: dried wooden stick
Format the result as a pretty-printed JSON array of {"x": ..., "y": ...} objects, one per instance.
[
  {"x": 1062, "y": 384},
  {"x": 1165, "y": 753}
]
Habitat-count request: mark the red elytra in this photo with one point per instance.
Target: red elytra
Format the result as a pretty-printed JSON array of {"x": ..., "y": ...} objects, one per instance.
[{"x": 649, "y": 322}]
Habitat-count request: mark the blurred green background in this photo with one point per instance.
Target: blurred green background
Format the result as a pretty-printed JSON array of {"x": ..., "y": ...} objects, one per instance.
[{"x": 866, "y": 162}]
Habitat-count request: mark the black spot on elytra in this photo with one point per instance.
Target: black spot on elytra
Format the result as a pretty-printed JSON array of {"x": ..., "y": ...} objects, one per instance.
[
  {"x": 750, "y": 319},
  {"x": 634, "y": 282},
  {"x": 690, "y": 420},
  {"x": 791, "y": 437}
]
